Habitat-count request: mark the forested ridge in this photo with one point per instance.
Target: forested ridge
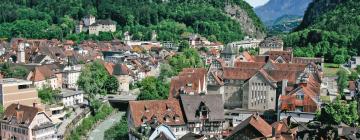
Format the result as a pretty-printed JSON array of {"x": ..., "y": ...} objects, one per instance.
[
  {"x": 171, "y": 19},
  {"x": 331, "y": 29}
]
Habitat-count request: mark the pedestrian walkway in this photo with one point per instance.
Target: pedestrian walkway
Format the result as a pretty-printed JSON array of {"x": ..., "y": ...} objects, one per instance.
[{"x": 98, "y": 132}]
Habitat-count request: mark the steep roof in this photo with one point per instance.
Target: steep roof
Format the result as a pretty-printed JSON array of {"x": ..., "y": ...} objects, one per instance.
[
  {"x": 41, "y": 73},
  {"x": 285, "y": 55},
  {"x": 191, "y": 104},
  {"x": 121, "y": 69},
  {"x": 22, "y": 114},
  {"x": 189, "y": 80},
  {"x": 311, "y": 91},
  {"x": 256, "y": 122},
  {"x": 156, "y": 108}
]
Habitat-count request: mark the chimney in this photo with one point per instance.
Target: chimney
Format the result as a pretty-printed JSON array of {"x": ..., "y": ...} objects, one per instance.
[
  {"x": 288, "y": 120},
  {"x": 256, "y": 115},
  {"x": 18, "y": 106},
  {"x": 273, "y": 133},
  {"x": 279, "y": 91}
]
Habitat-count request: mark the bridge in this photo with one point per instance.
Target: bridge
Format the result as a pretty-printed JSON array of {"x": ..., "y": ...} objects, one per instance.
[
  {"x": 120, "y": 98},
  {"x": 120, "y": 101}
]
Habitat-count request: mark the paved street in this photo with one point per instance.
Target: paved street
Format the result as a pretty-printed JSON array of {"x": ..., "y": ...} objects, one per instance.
[{"x": 98, "y": 132}]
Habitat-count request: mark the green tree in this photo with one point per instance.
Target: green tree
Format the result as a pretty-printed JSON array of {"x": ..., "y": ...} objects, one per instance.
[
  {"x": 184, "y": 45},
  {"x": 47, "y": 94},
  {"x": 111, "y": 85},
  {"x": 342, "y": 81},
  {"x": 118, "y": 132},
  {"x": 92, "y": 81},
  {"x": 152, "y": 88},
  {"x": 357, "y": 68},
  {"x": 338, "y": 111},
  {"x": 339, "y": 59},
  {"x": 353, "y": 76}
]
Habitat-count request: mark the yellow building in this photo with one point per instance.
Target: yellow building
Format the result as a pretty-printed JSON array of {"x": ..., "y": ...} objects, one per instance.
[{"x": 13, "y": 91}]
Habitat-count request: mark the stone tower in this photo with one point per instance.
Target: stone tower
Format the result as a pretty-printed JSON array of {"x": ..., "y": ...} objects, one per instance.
[{"x": 21, "y": 53}]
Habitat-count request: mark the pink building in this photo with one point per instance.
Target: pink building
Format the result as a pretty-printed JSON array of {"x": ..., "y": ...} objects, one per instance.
[{"x": 22, "y": 122}]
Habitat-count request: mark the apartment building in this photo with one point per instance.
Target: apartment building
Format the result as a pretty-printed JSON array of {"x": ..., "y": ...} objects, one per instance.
[
  {"x": 21, "y": 122},
  {"x": 17, "y": 91}
]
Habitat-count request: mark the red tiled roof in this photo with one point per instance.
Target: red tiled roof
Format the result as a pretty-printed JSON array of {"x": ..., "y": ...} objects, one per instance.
[
  {"x": 189, "y": 80},
  {"x": 238, "y": 73},
  {"x": 249, "y": 65},
  {"x": 23, "y": 114},
  {"x": 160, "y": 109},
  {"x": 41, "y": 73},
  {"x": 311, "y": 91},
  {"x": 256, "y": 122},
  {"x": 286, "y": 55},
  {"x": 109, "y": 67}
]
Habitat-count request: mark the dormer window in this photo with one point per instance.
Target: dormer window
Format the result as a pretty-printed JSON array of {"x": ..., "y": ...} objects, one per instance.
[
  {"x": 154, "y": 119},
  {"x": 202, "y": 111},
  {"x": 146, "y": 109},
  {"x": 167, "y": 118},
  {"x": 176, "y": 118},
  {"x": 189, "y": 84},
  {"x": 300, "y": 96},
  {"x": 168, "y": 108},
  {"x": 143, "y": 119}
]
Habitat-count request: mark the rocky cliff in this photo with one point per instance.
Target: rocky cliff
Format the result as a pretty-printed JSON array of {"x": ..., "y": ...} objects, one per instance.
[{"x": 247, "y": 24}]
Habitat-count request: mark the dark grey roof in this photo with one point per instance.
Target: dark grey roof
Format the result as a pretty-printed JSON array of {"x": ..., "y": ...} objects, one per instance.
[
  {"x": 119, "y": 69},
  {"x": 39, "y": 58},
  {"x": 191, "y": 136},
  {"x": 229, "y": 50},
  {"x": 191, "y": 103},
  {"x": 67, "y": 93}
]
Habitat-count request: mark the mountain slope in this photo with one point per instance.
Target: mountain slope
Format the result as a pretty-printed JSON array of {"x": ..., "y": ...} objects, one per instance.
[
  {"x": 284, "y": 24},
  {"x": 331, "y": 29},
  {"x": 278, "y": 8},
  {"x": 171, "y": 19}
]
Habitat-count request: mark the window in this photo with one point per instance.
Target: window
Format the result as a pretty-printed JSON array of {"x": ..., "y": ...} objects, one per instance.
[
  {"x": 23, "y": 86},
  {"x": 299, "y": 108},
  {"x": 300, "y": 96}
]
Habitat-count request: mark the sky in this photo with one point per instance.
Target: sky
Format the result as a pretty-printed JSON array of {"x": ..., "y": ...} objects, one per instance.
[{"x": 256, "y": 3}]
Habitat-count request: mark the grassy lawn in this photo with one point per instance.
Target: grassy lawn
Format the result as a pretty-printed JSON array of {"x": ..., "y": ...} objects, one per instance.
[{"x": 330, "y": 69}]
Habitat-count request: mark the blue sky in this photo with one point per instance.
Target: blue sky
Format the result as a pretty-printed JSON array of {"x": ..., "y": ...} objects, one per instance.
[{"x": 256, "y": 3}]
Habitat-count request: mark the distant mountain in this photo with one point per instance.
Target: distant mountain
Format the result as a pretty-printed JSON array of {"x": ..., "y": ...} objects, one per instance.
[
  {"x": 278, "y": 8},
  {"x": 284, "y": 24}
]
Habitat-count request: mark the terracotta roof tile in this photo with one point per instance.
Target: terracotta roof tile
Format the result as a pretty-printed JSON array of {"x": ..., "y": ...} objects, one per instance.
[
  {"x": 189, "y": 80},
  {"x": 141, "y": 110},
  {"x": 23, "y": 114},
  {"x": 41, "y": 73},
  {"x": 256, "y": 122}
]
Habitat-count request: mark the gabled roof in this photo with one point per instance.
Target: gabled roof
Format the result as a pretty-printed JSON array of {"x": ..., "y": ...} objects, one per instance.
[
  {"x": 256, "y": 122},
  {"x": 121, "y": 69},
  {"x": 41, "y": 73},
  {"x": 189, "y": 80},
  {"x": 191, "y": 103},
  {"x": 285, "y": 55},
  {"x": 156, "y": 108},
  {"x": 238, "y": 73},
  {"x": 22, "y": 114}
]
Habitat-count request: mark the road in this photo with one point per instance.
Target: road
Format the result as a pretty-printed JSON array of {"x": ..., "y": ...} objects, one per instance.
[{"x": 98, "y": 132}]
